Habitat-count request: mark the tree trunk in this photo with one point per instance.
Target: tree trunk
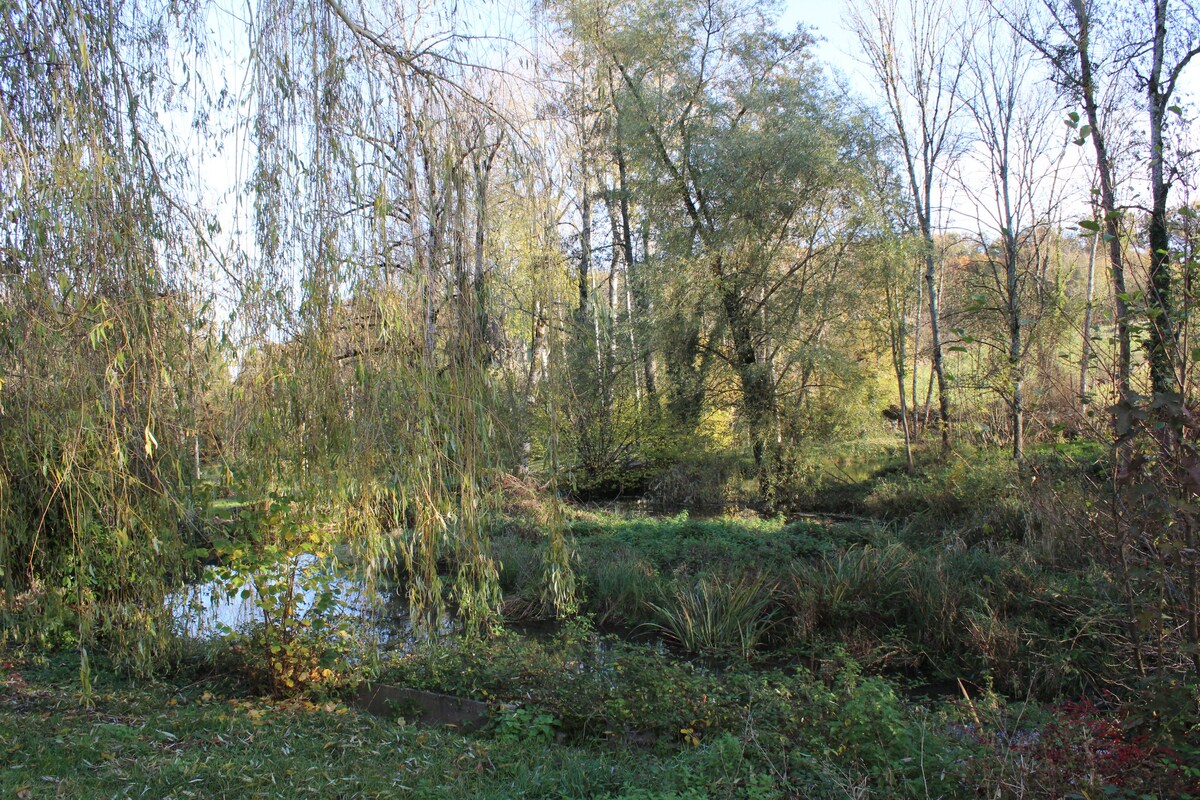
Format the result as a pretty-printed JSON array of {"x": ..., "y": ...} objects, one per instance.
[
  {"x": 916, "y": 354},
  {"x": 1086, "y": 355},
  {"x": 635, "y": 285},
  {"x": 536, "y": 362},
  {"x": 483, "y": 170},
  {"x": 932, "y": 375},
  {"x": 585, "y": 238},
  {"x": 758, "y": 391},
  {"x": 1018, "y": 390},
  {"x": 1108, "y": 203},
  {"x": 1162, "y": 325},
  {"x": 898, "y": 334},
  {"x": 939, "y": 368},
  {"x": 630, "y": 325},
  {"x": 1015, "y": 360}
]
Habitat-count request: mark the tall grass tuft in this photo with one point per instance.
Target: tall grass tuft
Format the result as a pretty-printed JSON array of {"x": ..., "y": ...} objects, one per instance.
[
  {"x": 856, "y": 582},
  {"x": 620, "y": 587},
  {"x": 718, "y": 617},
  {"x": 518, "y": 561}
]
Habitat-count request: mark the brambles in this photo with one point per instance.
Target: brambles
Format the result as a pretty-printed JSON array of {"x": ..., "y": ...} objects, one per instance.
[{"x": 524, "y": 725}]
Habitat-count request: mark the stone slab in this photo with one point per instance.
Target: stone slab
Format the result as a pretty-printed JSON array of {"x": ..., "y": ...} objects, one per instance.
[{"x": 384, "y": 699}]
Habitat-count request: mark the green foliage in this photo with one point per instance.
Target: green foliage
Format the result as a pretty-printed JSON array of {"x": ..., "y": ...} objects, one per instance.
[
  {"x": 104, "y": 347},
  {"x": 683, "y": 544},
  {"x": 621, "y": 587},
  {"x": 517, "y": 562},
  {"x": 299, "y": 641},
  {"x": 976, "y": 494},
  {"x": 734, "y": 148},
  {"x": 837, "y": 476},
  {"x": 524, "y": 725},
  {"x": 693, "y": 471},
  {"x": 558, "y": 574},
  {"x": 909, "y": 601},
  {"x": 634, "y": 722},
  {"x": 393, "y": 344},
  {"x": 756, "y": 721}
]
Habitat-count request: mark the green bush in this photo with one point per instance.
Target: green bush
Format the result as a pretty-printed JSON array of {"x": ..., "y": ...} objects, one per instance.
[
  {"x": 524, "y": 725},
  {"x": 858, "y": 582},
  {"x": 298, "y": 642}
]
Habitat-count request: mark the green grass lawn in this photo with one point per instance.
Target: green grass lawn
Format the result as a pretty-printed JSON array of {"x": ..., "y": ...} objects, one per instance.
[
  {"x": 201, "y": 740},
  {"x": 769, "y": 736}
]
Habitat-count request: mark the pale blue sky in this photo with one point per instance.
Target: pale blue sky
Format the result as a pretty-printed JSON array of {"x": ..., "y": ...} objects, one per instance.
[{"x": 825, "y": 17}]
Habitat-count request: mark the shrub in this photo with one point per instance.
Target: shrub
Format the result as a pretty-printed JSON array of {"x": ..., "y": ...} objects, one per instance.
[
  {"x": 525, "y": 725},
  {"x": 698, "y": 477},
  {"x": 753, "y": 722},
  {"x": 299, "y": 639},
  {"x": 1080, "y": 749}
]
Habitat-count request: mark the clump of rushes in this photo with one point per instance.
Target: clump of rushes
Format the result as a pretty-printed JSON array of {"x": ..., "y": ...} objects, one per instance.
[
  {"x": 718, "y": 617},
  {"x": 852, "y": 583},
  {"x": 621, "y": 588}
]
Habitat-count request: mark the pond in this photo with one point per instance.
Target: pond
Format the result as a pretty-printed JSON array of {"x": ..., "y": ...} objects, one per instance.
[{"x": 226, "y": 600}]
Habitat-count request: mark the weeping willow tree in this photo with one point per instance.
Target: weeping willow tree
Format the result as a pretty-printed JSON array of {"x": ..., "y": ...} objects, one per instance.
[
  {"x": 375, "y": 388},
  {"x": 99, "y": 328},
  {"x": 362, "y": 393}
]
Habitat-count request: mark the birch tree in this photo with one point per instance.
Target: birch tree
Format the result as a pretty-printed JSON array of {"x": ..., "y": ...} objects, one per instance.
[
  {"x": 1016, "y": 180},
  {"x": 916, "y": 52}
]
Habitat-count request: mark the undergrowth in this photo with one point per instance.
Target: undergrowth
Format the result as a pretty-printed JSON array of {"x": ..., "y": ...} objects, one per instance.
[{"x": 899, "y": 597}]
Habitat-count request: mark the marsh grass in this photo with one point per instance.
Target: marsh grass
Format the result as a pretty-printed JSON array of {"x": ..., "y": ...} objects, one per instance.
[
  {"x": 860, "y": 574},
  {"x": 718, "y": 616},
  {"x": 901, "y": 597},
  {"x": 621, "y": 588}
]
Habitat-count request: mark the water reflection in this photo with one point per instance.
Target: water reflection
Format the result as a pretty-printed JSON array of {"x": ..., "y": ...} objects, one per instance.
[{"x": 220, "y": 604}]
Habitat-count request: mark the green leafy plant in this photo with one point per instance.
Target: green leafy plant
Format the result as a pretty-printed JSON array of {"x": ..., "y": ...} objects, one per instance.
[
  {"x": 525, "y": 725},
  {"x": 298, "y": 639}
]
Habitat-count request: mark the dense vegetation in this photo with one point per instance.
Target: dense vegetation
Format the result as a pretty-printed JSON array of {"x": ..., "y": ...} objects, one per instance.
[{"x": 728, "y": 431}]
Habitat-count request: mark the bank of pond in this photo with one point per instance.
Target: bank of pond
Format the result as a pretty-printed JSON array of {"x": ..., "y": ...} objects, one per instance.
[
  {"x": 716, "y": 656},
  {"x": 725, "y": 655}
]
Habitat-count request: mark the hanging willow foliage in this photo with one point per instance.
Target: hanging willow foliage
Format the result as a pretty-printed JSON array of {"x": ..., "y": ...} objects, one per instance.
[
  {"x": 360, "y": 393},
  {"x": 388, "y": 145},
  {"x": 98, "y": 334}
]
